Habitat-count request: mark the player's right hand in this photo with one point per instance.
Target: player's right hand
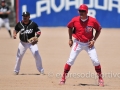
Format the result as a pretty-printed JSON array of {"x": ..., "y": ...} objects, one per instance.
[
  {"x": 91, "y": 43},
  {"x": 70, "y": 43},
  {"x": 14, "y": 36}
]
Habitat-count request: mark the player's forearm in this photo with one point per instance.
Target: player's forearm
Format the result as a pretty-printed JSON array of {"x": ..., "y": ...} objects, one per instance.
[
  {"x": 70, "y": 33},
  {"x": 14, "y": 32},
  {"x": 96, "y": 35},
  {"x": 8, "y": 12},
  {"x": 1, "y": 13},
  {"x": 38, "y": 34}
]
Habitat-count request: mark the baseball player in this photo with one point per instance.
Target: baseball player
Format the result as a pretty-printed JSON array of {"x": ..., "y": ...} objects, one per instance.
[
  {"x": 27, "y": 29},
  {"x": 84, "y": 40},
  {"x": 4, "y": 20}
]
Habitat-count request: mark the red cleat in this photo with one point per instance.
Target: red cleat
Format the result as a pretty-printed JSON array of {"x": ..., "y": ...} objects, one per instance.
[
  {"x": 62, "y": 82},
  {"x": 101, "y": 82}
]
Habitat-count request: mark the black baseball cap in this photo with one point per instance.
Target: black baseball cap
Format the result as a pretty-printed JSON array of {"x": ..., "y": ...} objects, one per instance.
[
  {"x": 26, "y": 14},
  {"x": 2, "y": 0}
]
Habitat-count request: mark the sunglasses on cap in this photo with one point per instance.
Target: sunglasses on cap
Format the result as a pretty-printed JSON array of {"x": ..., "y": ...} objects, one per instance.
[
  {"x": 82, "y": 11},
  {"x": 25, "y": 15}
]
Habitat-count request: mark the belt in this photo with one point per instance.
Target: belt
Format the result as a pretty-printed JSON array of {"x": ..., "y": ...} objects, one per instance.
[
  {"x": 24, "y": 42},
  {"x": 82, "y": 41}
]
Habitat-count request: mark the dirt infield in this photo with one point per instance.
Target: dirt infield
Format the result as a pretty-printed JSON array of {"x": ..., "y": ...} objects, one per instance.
[{"x": 54, "y": 50}]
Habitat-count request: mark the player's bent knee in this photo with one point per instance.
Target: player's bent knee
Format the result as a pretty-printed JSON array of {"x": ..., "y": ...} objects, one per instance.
[
  {"x": 96, "y": 63},
  {"x": 36, "y": 53},
  {"x": 70, "y": 63}
]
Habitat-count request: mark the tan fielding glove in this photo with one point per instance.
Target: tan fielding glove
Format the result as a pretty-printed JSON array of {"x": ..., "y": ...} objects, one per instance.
[{"x": 33, "y": 40}]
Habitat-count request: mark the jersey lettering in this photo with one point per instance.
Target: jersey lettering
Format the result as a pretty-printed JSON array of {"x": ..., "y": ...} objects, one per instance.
[
  {"x": 88, "y": 29},
  {"x": 3, "y": 10},
  {"x": 23, "y": 31}
]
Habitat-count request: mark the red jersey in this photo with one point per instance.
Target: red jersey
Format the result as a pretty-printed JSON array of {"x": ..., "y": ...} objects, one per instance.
[{"x": 84, "y": 30}]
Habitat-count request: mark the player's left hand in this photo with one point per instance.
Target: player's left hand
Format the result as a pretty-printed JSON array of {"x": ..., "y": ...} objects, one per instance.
[
  {"x": 33, "y": 40},
  {"x": 91, "y": 43}
]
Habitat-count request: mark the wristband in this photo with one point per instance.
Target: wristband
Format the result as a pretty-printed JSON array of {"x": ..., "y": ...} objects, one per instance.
[{"x": 93, "y": 40}]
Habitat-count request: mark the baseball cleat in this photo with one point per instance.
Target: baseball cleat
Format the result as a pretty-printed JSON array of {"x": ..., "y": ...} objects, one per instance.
[
  {"x": 16, "y": 73},
  {"x": 101, "y": 82},
  {"x": 42, "y": 72},
  {"x": 62, "y": 82}
]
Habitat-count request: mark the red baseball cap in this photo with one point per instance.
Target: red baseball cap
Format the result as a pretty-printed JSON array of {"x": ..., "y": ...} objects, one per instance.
[{"x": 83, "y": 7}]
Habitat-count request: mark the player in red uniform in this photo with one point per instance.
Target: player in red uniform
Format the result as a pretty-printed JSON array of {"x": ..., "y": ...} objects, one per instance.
[{"x": 83, "y": 26}]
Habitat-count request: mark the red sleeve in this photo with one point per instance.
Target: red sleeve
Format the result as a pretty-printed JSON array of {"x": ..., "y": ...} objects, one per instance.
[
  {"x": 71, "y": 24},
  {"x": 97, "y": 26}
]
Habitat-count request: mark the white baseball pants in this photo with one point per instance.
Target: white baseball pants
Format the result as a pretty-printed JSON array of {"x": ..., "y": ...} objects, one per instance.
[
  {"x": 77, "y": 48},
  {"x": 5, "y": 22},
  {"x": 21, "y": 51}
]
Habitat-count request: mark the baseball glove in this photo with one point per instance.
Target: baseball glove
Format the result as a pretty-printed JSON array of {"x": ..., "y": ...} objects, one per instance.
[{"x": 33, "y": 40}]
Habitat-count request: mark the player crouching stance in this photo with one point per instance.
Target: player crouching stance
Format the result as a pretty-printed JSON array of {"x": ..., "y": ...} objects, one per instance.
[
  {"x": 27, "y": 29},
  {"x": 83, "y": 33}
]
